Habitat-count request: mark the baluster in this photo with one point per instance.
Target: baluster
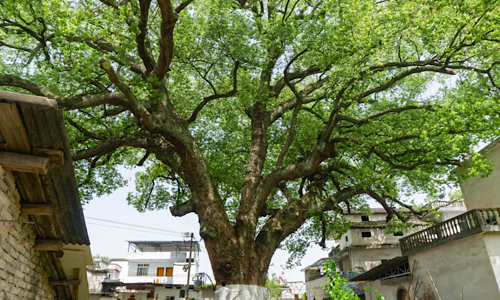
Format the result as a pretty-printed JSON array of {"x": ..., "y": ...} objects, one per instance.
[
  {"x": 447, "y": 228},
  {"x": 496, "y": 213},
  {"x": 479, "y": 218},
  {"x": 484, "y": 216}
]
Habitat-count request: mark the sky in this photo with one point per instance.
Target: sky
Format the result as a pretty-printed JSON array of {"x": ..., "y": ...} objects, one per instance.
[{"x": 109, "y": 239}]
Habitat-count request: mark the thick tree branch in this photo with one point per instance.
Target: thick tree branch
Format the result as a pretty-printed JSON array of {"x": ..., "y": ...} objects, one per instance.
[
  {"x": 84, "y": 131},
  {"x": 278, "y": 87},
  {"x": 141, "y": 37},
  {"x": 168, "y": 19},
  {"x": 278, "y": 111},
  {"x": 385, "y": 112},
  {"x": 401, "y": 76},
  {"x": 138, "y": 109},
  {"x": 182, "y": 6},
  {"x": 183, "y": 209},
  {"x": 298, "y": 106},
  {"x": 205, "y": 101}
]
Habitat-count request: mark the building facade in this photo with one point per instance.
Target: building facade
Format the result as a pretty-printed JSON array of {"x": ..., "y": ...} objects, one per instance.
[
  {"x": 151, "y": 270},
  {"x": 44, "y": 246},
  {"x": 458, "y": 258}
]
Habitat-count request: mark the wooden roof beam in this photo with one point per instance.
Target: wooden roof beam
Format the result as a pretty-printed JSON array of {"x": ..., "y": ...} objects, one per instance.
[
  {"x": 48, "y": 245},
  {"x": 65, "y": 282},
  {"x": 36, "y": 209},
  {"x": 24, "y": 162}
]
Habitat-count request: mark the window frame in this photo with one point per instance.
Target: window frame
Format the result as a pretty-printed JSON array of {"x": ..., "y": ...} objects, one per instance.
[
  {"x": 366, "y": 234},
  {"x": 142, "y": 269}
]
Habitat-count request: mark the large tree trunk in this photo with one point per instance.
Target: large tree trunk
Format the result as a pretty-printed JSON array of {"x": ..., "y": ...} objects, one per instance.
[
  {"x": 242, "y": 267},
  {"x": 236, "y": 263}
]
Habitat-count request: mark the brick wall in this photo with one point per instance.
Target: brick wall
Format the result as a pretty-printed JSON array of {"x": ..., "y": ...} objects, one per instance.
[{"x": 23, "y": 271}]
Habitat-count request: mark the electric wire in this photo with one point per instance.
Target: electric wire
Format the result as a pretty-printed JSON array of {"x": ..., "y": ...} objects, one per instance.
[
  {"x": 146, "y": 227},
  {"x": 110, "y": 226}
]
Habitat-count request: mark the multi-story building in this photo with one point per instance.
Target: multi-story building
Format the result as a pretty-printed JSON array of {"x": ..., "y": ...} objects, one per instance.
[
  {"x": 366, "y": 245},
  {"x": 458, "y": 258},
  {"x": 151, "y": 269}
]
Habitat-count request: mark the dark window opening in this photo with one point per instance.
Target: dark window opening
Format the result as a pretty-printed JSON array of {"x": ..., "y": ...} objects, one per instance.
[
  {"x": 398, "y": 233},
  {"x": 346, "y": 239},
  {"x": 366, "y": 234},
  {"x": 187, "y": 260},
  {"x": 365, "y": 218}
]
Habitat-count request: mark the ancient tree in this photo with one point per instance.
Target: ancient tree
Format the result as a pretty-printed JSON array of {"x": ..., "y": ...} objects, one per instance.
[{"x": 263, "y": 117}]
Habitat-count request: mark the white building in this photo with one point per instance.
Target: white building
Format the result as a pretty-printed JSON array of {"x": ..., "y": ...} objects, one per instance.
[
  {"x": 151, "y": 270},
  {"x": 461, "y": 254},
  {"x": 366, "y": 245}
]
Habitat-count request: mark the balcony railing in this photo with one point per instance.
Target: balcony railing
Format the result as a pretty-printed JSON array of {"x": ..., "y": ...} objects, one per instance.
[{"x": 461, "y": 226}]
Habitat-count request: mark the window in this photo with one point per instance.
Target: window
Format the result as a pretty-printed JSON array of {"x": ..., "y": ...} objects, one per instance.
[
  {"x": 400, "y": 233},
  {"x": 160, "y": 271},
  {"x": 169, "y": 272},
  {"x": 142, "y": 269},
  {"x": 346, "y": 238},
  {"x": 366, "y": 234},
  {"x": 192, "y": 260},
  {"x": 365, "y": 218}
]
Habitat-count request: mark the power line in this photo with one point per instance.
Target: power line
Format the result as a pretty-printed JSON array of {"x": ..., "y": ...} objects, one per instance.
[
  {"x": 146, "y": 227},
  {"x": 104, "y": 225}
]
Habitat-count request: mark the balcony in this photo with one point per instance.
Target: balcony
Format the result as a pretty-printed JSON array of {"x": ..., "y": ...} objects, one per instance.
[{"x": 459, "y": 227}]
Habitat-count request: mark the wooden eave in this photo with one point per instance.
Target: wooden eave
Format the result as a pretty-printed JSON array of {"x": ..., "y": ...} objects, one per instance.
[{"x": 34, "y": 129}]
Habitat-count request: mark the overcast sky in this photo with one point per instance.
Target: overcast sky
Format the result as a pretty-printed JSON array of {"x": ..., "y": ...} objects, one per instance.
[{"x": 108, "y": 240}]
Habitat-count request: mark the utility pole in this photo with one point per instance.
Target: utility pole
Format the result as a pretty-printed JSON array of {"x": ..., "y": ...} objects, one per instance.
[{"x": 189, "y": 264}]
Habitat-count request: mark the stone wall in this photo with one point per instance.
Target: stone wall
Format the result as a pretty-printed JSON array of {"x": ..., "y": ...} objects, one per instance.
[{"x": 23, "y": 271}]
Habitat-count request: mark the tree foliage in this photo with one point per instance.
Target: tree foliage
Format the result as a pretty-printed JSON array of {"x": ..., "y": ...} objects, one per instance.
[{"x": 263, "y": 116}]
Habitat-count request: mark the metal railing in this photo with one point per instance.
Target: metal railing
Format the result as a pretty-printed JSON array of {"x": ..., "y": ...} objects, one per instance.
[{"x": 461, "y": 226}]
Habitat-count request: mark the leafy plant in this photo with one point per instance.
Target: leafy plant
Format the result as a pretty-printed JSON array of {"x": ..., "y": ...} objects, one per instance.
[{"x": 336, "y": 286}]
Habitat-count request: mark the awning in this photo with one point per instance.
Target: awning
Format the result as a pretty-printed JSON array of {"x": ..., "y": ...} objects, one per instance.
[{"x": 395, "y": 267}]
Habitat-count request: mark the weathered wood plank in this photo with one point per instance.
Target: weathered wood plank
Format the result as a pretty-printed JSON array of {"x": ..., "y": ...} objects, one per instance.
[
  {"x": 48, "y": 245},
  {"x": 55, "y": 156},
  {"x": 13, "y": 130},
  {"x": 76, "y": 274},
  {"x": 36, "y": 209},
  {"x": 24, "y": 162},
  {"x": 65, "y": 282}
]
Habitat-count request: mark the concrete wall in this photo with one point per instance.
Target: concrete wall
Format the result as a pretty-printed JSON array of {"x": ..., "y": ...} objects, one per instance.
[
  {"x": 23, "y": 271},
  {"x": 314, "y": 289},
  {"x": 129, "y": 273},
  {"x": 492, "y": 242},
  {"x": 163, "y": 292},
  {"x": 388, "y": 291},
  {"x": 372, "y": 217},
  {"x": 378, "y": 237},
  {"x": 363, "y": 260},
  {"x": 483, "y": 192},
  {"x": 462, "y": 267}
]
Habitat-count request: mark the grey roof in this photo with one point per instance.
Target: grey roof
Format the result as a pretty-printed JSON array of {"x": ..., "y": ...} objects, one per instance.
[
  {"x": 374, "y": 210},
  {"x": 317, "y": 265},
  {"x": 383, "y": 224},
  {"x": 371, "y": 274},
  {"x": 159, "y": 246}
]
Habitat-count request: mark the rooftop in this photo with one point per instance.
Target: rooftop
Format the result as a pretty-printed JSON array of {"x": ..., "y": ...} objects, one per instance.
[
  {"x": 383, "y": 224},
  {"x": 374, "y": 210},
  {"x": 163, "y": 246},
  {"x": 396, "y": 267}
]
